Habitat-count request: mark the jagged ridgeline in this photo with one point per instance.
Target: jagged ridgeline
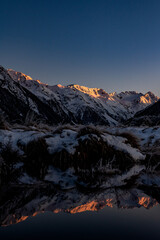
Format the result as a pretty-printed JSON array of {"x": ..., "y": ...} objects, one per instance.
[{"x": 27, "y": 101}]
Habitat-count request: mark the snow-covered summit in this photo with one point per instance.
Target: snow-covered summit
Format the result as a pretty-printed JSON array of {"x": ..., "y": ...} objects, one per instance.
[
  {"x": 93, "y": 92},
  {"x": 18, "y": 76},
  {"x": 22, "y": 78}
]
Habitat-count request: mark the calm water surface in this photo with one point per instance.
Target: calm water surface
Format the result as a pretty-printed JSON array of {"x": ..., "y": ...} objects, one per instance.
[
  {"x": 109, "y": 223},
  {"x": 123, "y": 206}
]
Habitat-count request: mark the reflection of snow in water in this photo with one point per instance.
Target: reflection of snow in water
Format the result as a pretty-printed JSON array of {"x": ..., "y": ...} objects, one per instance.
[{"x": 44, "y": 196}]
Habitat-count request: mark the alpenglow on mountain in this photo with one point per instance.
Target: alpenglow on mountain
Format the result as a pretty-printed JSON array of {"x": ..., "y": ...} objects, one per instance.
[{"x": 22, "y": 98}]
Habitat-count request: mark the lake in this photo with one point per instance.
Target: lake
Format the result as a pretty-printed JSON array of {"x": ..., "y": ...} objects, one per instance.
[
  {"x": 109, "y": 223},
  {"x": 41, "y": 212}
]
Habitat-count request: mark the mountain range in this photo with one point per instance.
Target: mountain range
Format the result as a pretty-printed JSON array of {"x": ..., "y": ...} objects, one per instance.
[{"x": 23, "y": 99}]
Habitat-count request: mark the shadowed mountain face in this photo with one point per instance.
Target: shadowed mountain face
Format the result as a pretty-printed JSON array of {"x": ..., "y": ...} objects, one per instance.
[
  {"x": 18, "y": 103},
  {"x": 149, "y": 116},
  {"x": 18, "y": 202},
  {"x": 153, "y": 110},
  {"x": 23, "y": 98}
]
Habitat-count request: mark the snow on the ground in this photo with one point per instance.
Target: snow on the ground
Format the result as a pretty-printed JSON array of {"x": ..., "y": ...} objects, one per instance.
[
  {"x": 147, "y": 136},
  {"x": 18, "y": 137},
  {"x": 118, "y": 143},
  {"x": 68, "y": 140}
]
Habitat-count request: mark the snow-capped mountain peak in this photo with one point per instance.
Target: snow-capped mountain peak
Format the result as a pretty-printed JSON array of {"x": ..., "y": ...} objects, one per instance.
[
  {"x": 18, "y": 76},
  {"x": 93, "y": 92},
  {"x": 22, "y": 78}
]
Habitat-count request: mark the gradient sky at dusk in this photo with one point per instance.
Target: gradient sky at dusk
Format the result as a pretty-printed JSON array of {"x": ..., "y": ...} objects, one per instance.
[{"x": 109, "y": 44}]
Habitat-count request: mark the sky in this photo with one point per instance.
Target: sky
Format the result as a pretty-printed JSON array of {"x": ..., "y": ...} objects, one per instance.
[{"x": 109, "y": 44}]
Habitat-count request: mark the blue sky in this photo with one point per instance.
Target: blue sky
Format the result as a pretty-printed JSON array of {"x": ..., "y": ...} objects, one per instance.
[{"x": 110, "y": 44}]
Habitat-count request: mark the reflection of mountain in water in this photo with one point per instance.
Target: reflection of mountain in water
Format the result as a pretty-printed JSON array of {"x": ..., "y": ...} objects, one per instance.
[{"x": 18, "y": 202}]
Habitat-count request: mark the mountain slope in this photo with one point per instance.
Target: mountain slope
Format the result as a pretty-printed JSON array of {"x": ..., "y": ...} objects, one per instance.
[
  {"x": 149, "y": 116},
  {"x": 117, "y": 106},
  {"x": 17, "y": 102},
  {"x": 72, "y": 104}
]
